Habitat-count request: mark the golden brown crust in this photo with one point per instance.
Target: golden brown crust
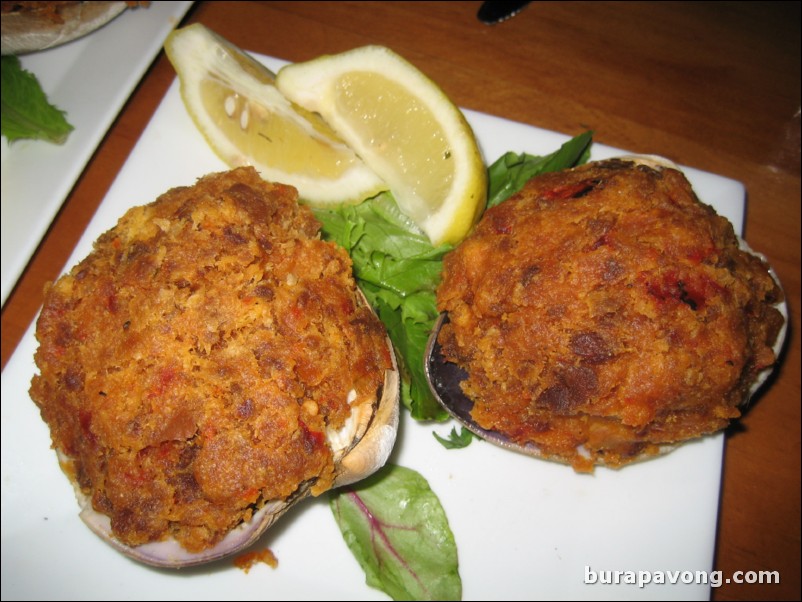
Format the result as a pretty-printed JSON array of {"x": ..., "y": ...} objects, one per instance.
[
  {"x": 191, "y": 364},
  {"x": 605, "y": 311}
]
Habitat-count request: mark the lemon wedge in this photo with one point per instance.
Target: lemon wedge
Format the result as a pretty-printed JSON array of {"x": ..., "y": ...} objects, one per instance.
[
  {"x": 233, "y": 100},
  {"x": 404, "y": 128}
]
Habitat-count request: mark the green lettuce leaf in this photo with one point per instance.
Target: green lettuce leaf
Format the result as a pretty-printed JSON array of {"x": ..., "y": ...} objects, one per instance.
[
  {"x": 455, "y": 440},
  {"x": 398, "y": 270},
  {"x": 511, "y": 171},
  {"x": 397, "y": 530},
  {"x": 25, "y": 110}
]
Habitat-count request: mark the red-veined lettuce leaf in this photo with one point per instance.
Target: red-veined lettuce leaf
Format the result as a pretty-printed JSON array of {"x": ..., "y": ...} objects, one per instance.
[{"x": 397, "y": 530}]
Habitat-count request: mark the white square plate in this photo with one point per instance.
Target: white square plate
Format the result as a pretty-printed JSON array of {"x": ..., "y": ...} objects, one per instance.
[{"x": 525, "y": 529}]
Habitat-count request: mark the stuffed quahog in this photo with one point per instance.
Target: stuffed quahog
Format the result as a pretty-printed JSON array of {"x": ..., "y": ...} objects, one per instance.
[{"x": 208, "y": 365}]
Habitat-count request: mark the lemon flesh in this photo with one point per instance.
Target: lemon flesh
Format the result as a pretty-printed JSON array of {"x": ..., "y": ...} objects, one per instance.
[
  {"x": 235, "y": 104},
  {"x": 404, "y": 128}
]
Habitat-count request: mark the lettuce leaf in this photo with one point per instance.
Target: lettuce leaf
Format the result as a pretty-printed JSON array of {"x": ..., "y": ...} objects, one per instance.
[
  {"x": 455, "y": 440},
  {"x": 25, "y": 110},
  {"x": 397, "y": 530},
  {"x": 398, "y": 270},
  {"x": 512, "y": 170}
]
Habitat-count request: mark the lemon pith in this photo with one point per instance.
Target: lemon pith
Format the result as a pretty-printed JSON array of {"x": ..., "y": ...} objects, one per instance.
[{"x": 233, "y": 101}]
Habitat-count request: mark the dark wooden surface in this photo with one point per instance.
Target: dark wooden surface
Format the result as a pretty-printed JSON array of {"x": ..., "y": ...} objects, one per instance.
[{"x": 713, "y": 85}]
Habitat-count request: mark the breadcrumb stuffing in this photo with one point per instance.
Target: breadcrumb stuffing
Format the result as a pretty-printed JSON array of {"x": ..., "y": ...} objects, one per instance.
[
  {"x": 604, "y": 312},
  {"x": 246, "y": 561}
]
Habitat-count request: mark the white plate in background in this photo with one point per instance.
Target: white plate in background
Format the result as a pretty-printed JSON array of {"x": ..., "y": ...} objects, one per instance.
[
  {"x": 90, "y": 78},
  {"x": 525, "y": 528}
]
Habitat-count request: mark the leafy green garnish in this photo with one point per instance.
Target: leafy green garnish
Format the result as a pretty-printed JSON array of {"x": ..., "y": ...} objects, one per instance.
[
  {"x": 398, "y": 270},
  {"x": 512, "y": 170},
  {"x": 26, "y": 112},
  {"x": 455, "y": 440},
  {"x": 397, "y": 530}
]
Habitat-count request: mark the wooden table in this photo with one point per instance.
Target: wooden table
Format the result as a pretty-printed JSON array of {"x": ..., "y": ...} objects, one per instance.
[{"x": 713, "y": 85}]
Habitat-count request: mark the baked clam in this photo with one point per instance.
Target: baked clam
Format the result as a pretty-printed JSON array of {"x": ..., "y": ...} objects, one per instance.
[
  {"x": 209, "y": 365},
  {"x": 360, "y": 449},
  {"x": 601, "y": 316}
]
